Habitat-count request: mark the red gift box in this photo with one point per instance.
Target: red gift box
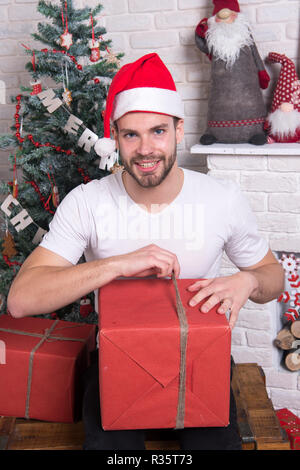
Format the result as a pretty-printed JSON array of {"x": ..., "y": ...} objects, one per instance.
[
  {"x": 291, "y": 424},
  {"x": 42, "y": 367},
  {"x": 139, "y": 358}
]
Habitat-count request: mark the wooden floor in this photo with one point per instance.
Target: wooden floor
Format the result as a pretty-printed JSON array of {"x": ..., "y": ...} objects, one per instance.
[{"x": 258, "y": 423}]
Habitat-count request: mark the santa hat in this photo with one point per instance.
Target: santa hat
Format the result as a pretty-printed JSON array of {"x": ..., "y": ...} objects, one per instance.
[
  {"x": 145, "y": 85},
  {"x": 287, "y": 88},
  {"x": 230, "y": 4}
]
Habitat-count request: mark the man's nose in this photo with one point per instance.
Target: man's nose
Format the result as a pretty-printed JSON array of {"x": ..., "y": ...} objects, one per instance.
[{"x": 145, "y": 146}]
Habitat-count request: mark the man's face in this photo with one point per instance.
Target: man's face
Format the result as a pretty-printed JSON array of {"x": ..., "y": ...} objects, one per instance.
[{"x": 147, "y": 143}]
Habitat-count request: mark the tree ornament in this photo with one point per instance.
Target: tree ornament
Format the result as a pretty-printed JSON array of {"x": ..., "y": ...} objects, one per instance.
[
  {"x": 67, "y": 97},
  {"x": 66, "y": 39},
  {"x": 95, "y": 50},
  {"x": 54, "y": 193},
  {"x": 85, "y": 307},
  {"x": 113, "y": 59},
  {"x": 116, "y": 167},
  {"x": 36, "y": 83},
  {"x": 94, "y": 45},
  {"x": 9, "y": 248},
  {"x": 15, "y": 180},
  {"x": 36, "y": 87}
]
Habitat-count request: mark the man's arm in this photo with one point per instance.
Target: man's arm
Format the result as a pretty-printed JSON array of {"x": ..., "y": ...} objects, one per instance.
[
  {"x": 47, "y": 281},
  {"x": 260, "y": 283}
]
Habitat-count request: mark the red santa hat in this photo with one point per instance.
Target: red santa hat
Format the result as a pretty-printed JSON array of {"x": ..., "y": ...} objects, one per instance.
[
  {"x": 230, "y": 4},
  {"x": 145, "y": 85},
  {"x": 288, "y": 86}
]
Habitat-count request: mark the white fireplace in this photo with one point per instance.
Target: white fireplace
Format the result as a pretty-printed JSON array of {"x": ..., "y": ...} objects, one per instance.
[{"x": 269, "y": 176}]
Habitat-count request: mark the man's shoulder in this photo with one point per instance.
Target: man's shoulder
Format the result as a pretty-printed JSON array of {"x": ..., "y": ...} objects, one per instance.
[
  {"x": 95, "y": 187},
  {"x": 212, "y": 184}
]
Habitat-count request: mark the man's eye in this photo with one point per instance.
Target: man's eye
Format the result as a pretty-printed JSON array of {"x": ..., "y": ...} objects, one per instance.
[
  {"x": 159, "y": 131},
  {"x": 129, "y": 135}
]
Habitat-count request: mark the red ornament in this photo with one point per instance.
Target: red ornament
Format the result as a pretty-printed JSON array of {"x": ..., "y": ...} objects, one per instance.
[
  {"x": 37, "y": 87},
  {"x": 85, "y": 307},
  {"x": 94, "y": 45},
  {"x": 95, "y": 51}
]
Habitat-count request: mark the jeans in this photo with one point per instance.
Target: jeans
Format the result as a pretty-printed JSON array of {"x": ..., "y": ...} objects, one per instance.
[{"x": 210, "y": 438}]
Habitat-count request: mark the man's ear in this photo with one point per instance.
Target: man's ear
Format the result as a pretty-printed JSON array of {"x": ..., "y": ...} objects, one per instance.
[
  {"x": 114, "y": 132},
  {"x": 179, "y": 131}
]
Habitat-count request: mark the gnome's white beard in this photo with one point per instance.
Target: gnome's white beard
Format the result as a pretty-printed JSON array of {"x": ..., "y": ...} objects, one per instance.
[
  {"x": 284, "y": 124},
  {"x": 225, "y": 40}
]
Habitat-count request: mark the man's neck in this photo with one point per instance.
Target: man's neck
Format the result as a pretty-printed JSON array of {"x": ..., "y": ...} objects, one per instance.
[{"x": 160, "y": 195}]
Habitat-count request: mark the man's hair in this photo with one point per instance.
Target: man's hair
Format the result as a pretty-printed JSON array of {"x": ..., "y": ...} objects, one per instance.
[{"x": 175, "y": 121}]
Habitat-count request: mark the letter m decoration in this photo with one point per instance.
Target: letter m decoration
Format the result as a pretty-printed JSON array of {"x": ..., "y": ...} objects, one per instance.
[{"x": 2, "y": 352}]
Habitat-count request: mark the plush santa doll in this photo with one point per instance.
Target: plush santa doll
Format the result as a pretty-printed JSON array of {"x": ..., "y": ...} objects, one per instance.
[
  {"x": 236, "y": 111},
  {"x": 283, "y": 123}
]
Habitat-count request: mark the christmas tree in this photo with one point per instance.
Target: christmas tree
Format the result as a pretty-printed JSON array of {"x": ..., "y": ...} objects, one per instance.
[{"x": 57, "y": 122}]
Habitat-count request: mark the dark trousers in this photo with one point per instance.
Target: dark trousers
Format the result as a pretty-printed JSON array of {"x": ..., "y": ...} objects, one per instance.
[{"x": 212, "y": 438}]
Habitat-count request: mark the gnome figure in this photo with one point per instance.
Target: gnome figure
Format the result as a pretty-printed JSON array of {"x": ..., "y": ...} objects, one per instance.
[
  {"x": 236, "y": 111},
  {"x": 283, "y": 123}
]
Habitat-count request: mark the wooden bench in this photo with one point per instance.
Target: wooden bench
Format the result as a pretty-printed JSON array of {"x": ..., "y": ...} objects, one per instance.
[{"x": 258, "y": 424}]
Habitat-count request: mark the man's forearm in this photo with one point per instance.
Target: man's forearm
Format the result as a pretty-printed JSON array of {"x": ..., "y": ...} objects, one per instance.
[
  {"x": 44, "y": 289},
  {"x": 269, "y": 282}
]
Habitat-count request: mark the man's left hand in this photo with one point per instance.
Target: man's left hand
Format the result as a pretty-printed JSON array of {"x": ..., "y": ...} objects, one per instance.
[{"x": 232, "y": 292}]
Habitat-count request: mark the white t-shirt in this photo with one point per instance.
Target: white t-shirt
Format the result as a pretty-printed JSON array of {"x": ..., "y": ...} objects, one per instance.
[{"x": 207, "y": 217}]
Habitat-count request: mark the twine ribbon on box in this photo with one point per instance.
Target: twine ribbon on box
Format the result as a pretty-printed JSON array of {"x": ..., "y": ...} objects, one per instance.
[
  {"x": 184, "y": 327},
  {"x": 46, "y": 336}
]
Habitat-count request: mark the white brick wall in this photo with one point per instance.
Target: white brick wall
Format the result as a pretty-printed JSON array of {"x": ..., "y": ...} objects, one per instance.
[
  {"x": 272, "y": 185},
  {"x": 138, "y": 27}
]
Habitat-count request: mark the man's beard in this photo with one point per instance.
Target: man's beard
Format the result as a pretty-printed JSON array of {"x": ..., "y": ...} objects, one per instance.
[
  {"x": 225, "y": 40},
  {"x": 150, "y": 181},
  {"x": 284, "y": 124}
]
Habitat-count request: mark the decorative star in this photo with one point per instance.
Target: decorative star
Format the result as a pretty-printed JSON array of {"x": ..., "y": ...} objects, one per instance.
[{"x": 66, "y": 40}]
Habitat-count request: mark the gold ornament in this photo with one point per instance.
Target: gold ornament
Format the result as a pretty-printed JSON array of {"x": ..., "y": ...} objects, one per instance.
[
  {"x": 116, "y": 167},
  {"x": 113, "y": 59},
  {"x": 9, "y": 248},
  {"x": 67, "y": 97}
]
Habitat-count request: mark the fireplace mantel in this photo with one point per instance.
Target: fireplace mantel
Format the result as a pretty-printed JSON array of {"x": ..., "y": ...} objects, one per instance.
[{"x": 247, "y": 149}]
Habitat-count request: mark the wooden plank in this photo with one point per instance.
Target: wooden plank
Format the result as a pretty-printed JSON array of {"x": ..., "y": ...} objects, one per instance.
[
  {"x": 37, "y": 435},
  {"x": 6, "y": 428},
  {"x": 258, "y": 424},
  {"x": 259, "y": 412},
  {"x": 246, "y": 433}
]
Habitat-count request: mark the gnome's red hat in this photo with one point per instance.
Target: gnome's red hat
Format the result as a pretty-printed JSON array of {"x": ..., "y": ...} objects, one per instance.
[
  {"x": 230, "y": 4},
  {"x": 288, "y": 86},
  {"x": 144, "y": 85}
]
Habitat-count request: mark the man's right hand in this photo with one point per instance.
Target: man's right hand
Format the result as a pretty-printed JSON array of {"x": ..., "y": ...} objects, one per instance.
[{"x": 146, "y": 261}]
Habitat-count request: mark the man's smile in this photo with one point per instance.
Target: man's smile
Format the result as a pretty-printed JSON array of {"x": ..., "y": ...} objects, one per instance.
[{"x": 147, "y": 165}]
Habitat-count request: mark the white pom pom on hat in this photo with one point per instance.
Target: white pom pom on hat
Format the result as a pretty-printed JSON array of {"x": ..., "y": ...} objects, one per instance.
[{"x": 145, "y": 85}]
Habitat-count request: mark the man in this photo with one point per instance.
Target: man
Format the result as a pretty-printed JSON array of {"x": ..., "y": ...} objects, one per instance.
[
  {"x": 236, "y": 110},
  {"x": 119, "y": 222}
]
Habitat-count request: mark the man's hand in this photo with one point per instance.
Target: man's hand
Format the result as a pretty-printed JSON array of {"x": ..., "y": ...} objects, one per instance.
[
  {"x": 232, "y": 292},
  {"x": 261, "y": 282},
  {"x": 147, "y": 261}
]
